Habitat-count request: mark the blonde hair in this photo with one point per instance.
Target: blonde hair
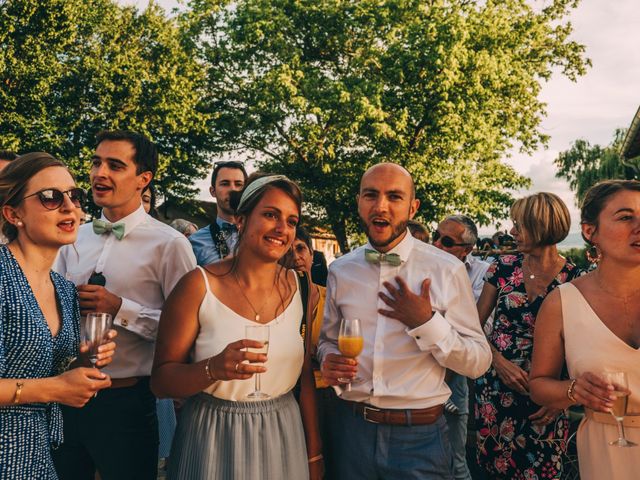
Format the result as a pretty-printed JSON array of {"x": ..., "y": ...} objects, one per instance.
[{"x": 543, "y": 216}]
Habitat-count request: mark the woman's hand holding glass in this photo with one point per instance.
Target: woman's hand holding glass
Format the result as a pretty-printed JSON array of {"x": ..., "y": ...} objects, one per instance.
[
  {"x": 236, "y": 363},
  {"x": 620, "y": 383},
  {"x": 105, "y": 351},
  {"x": 594, "y": 392},
  {"x": 77, "y": 386},
  {"x": 96, "y": 339}
]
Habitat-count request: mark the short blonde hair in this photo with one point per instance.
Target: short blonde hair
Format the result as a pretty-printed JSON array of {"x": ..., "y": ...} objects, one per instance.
[{"x": 543, "y": 216}]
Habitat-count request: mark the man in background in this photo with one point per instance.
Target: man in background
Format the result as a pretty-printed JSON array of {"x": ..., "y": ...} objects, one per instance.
[
  {"x": 457, "y": 235},
  {"x": 216, "y": 241}
]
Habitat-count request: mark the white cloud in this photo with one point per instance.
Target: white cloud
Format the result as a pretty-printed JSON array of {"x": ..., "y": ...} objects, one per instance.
[{"x": 606, "y": 98}]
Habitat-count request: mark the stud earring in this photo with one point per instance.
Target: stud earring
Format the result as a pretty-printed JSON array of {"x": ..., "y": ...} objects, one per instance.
[{"x": 20, "y": 224}]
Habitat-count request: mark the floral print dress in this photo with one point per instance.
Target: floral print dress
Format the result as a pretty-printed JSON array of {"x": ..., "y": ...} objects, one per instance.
[{"x": 509, "y": 445}]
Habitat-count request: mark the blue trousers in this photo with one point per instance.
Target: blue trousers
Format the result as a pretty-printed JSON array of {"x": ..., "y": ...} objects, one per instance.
[
  {"x": 458, "y": 426},
  {"x": 363, "y": 450}
]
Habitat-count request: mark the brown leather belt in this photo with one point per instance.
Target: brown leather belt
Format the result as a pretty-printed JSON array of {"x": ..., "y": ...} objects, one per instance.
[
  {"x": 387, "y": 416},
  {"x": 630, "y": 420},
  {"x": 124, "y": 382}
]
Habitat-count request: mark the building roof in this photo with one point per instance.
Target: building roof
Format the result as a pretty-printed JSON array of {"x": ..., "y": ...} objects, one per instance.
[
  {"x": 200, "y": 212},
  {"x": 631, "y": 143}
]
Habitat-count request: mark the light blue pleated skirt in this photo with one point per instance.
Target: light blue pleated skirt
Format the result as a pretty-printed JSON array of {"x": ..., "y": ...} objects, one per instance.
[{"x": 224, "y": 440}]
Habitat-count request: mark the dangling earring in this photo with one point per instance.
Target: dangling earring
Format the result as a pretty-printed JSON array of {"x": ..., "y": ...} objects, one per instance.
[{"x": 594, "y": 254}]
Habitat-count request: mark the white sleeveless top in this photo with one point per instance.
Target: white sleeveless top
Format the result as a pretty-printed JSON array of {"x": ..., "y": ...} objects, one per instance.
[
  {"x": 220, "y": 326},
  {"x": 591, "y": 347}
]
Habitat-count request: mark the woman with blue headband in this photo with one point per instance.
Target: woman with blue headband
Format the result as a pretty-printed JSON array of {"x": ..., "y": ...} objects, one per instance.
[{"x": 231, "y": 426}]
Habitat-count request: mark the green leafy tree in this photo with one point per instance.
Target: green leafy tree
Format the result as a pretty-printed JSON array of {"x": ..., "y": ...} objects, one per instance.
[
  {"x": 322, "y": 89},
  {"x": 584, "y": 165},
  {"x": 70, "y": 68}
]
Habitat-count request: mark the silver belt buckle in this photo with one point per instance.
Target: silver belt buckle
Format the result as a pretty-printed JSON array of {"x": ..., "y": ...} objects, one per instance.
[{"x": 372, "y": 409}]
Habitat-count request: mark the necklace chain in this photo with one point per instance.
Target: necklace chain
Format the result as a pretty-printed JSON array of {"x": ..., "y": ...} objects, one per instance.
[
  {"x": 532, "y": 274},
  {"x": 256, "y": 312},
  {"x": 624, "y": 298}
]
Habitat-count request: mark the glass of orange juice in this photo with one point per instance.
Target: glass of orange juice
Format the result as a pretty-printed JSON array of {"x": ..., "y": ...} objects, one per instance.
[{"x": 350, "y": 342}]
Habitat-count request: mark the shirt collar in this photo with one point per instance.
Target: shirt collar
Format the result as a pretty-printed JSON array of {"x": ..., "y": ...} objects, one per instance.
[
  {"x": 403, "y": 249},
  {"x": 131, "y": 221},
  {"x": 221, "y": 223}
]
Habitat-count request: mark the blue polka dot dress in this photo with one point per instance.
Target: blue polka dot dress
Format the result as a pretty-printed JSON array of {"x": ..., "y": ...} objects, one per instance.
[{"x": 28, "y": 350}]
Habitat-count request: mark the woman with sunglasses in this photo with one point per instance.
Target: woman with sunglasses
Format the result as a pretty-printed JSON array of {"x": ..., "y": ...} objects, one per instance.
[
  {"x": 516, "y": 437},
  {"x": 39, "y": 316}
]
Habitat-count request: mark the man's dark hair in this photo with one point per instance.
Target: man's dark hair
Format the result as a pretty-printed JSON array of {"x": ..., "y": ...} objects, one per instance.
[
  {"x": 230, "y": 164},
  {"x": 146, "y": 153},
  {"x": 8, "y": 155}
]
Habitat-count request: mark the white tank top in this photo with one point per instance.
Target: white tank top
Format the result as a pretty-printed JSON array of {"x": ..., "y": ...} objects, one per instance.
[{"x": 220, "y": 326}]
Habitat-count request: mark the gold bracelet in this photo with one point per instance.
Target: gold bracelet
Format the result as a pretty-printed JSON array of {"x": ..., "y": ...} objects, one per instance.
[
  {"x": 16, "y": 398},
  {"x": 208, "y": 370},
  {"x": 570, "y": 391},
  {"x": 315, "y": 459}
]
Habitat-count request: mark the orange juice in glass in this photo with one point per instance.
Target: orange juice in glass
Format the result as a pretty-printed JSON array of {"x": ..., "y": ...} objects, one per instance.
[{"x": 350, "y": 342}]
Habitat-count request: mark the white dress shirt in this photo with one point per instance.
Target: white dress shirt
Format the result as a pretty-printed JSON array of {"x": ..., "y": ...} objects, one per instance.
[
  {"x": 142, "y": 269},
  {"x": 401, "y": 367},
  {"x": 476, "y": 268}
]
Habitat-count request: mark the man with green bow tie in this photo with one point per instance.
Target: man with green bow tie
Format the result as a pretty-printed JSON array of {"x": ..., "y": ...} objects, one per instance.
[
  {"x": 418, "y": 318},
  {"x": 124, "y": 263}
]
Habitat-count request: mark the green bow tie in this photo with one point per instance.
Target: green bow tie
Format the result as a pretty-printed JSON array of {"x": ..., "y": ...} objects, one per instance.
[
  {"x": 372, "y": 256},
  {"x": 100, "y": 227}
]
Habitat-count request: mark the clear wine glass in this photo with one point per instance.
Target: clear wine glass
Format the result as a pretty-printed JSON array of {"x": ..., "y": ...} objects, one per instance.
[
  {"x": 93, "y": 333},
  {"x": 259, "y": 333},
  {"x": 620, "y": 382},
  {"x": 350, "y": 342}
]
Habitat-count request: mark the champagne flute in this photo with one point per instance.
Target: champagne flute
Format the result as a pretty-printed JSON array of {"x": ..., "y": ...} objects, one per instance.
[
  {"x": 93, "y": 333},
  {"x": 259, "y": 333},
  {"x": 620, "y": 382},
  {"x": 350, "y": 342}
]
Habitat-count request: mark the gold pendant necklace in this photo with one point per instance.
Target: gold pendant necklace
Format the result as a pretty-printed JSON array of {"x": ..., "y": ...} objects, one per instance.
[
  {"x": 255, "y": 312},
  {"x": 532, "y": 274},
  {"x": 625, "y": 298}
]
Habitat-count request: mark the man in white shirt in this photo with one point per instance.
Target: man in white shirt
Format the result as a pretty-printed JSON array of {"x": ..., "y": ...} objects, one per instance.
[
  {"x": 125, "y": 263},
  {"x": 418, "y": 319},
  {"x": 457, "y": 234}
]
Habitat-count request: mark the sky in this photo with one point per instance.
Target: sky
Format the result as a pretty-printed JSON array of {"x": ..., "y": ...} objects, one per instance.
[{"x": 604, "y": 99}]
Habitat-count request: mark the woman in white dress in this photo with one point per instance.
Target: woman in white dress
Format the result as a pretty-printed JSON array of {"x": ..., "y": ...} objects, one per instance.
[
  {"x": 201, "y": 352},
  {"x": 593, "y": 323}
]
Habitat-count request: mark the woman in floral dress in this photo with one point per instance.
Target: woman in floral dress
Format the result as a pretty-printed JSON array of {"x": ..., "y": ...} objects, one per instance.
[{"x": 518, "y": 439}]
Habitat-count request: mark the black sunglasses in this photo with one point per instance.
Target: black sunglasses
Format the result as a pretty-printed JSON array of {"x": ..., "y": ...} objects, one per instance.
[
  {"x": 447, "y": 241},
  {"x": 52, "y": 198},
  {"x": 228, "y": 163}
]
